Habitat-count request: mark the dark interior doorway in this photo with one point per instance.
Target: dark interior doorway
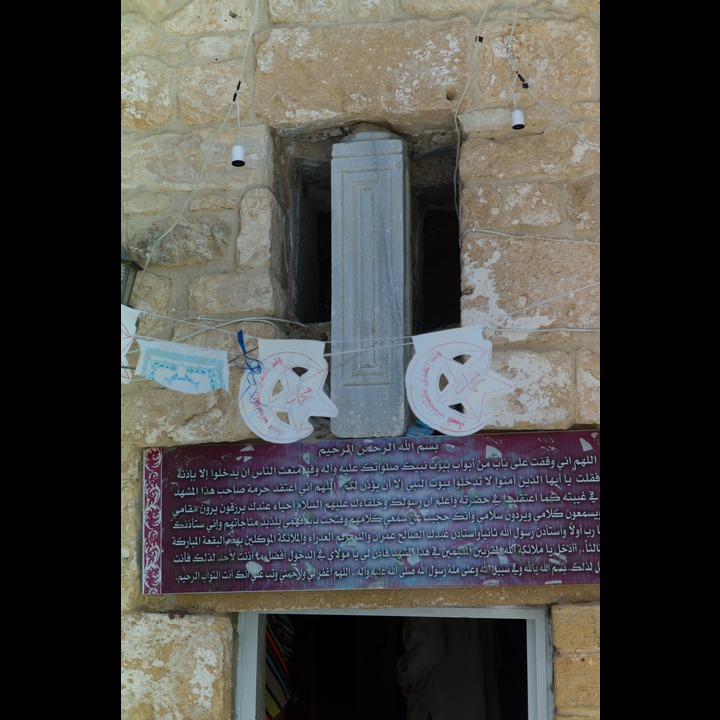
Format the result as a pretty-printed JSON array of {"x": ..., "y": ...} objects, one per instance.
[{"x": 343, "y": 668}]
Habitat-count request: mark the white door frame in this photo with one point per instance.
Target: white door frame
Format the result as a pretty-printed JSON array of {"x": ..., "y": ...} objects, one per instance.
[{"x": 250, "y": 677}]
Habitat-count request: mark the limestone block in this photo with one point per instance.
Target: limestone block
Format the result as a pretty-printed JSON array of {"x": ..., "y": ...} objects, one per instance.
[
  {"x": 585, "y": 7},
  {"x": 304, "y": 11},
  {"x": 588, "y": 387},
  {"x": 557, "y": 152},
  {"x": 151, "y": 293},
  {"x": 146, "y": 204},
  {"x": 583, "y": 203},
  {"x": 251, "y": 292},
  {"x": 407, "y": 73},
  {"x": 577, "y": 681},
  {"x": 372, "y": 9},
  {"x": 576, "y": 628},
  {"x": 557, "y": 58},
  {"x": 130, "y": 527},
  {"x": 529, "y": 283},
  {"x": 219, "y": 47},
  {"x": 543, "y": 392},
  {"x": 153, "y": 415},
  {"x": 202, "y": 17},
  {"x": 260, "y": 229},
  {"x": 516, "y": 206},
  {"x": 149, "y": 8},
  {"x": 212, "y": 203},
  {"x": 205, "y": 92},
  {"x": 145, "y": 99},
  {"x": 439, "y": 8},
  {"x": 161, "y": 163},
  {"x": 198, "y": 161},
  {"x": 222, "y": 335},
  {"x": 137, "y": 34},
  {"x": 190, "y": 241},
  {"x": 176, "y": 666}
]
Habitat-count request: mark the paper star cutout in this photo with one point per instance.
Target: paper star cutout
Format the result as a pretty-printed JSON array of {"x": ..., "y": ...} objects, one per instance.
[{"x": 301, "y": 396}]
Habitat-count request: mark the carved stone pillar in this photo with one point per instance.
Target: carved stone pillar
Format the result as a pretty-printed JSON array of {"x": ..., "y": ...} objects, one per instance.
[{"x": 371, "y": 284}]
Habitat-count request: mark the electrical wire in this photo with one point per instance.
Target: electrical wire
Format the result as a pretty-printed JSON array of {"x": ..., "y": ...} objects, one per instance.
[{"x": 156, "y": 243}]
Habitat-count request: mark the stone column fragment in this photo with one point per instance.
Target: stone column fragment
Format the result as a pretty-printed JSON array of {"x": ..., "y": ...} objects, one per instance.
[{"x": 370, "y": 284}]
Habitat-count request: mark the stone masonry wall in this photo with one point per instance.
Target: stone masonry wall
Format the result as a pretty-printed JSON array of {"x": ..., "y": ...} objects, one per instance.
[{"x": 213, "y": 240}]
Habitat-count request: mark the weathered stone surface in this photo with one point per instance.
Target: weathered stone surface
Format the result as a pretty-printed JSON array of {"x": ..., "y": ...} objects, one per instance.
[
  {"x": 218, "y": 47},
  {"x": 145, "y": 100},
  {"x": 161, "y": 163},
  {"x": 519, "y": 207},
  {"x": 137, "y": 34},
  {"x": 212, "y": 203},
  {"x": 542, "y": 397},
  {"x": 152, "y": 294},
  {"x": 130, "y": 527},
  {"x": 205, "y": 93},
  {"x": 441, "y": 8},
  {"x": 372, "y": 9},
  {"x": 176, "y": 666},
  {"x": 495, "y": 122},
  {"x": 438, "y": 8},
  {"x": 191, "y": 241},
  {"x": 260, "y": 230},
  {"x": 155, "y": 415},
  {"x": 576, "y": 628},
  {"x": 577, "y": 681},
  {"x": 200, "y": 16},
  {"x": 244, "y": 293},
  {"x": 335, "y": 73},
  {"x": 198, "y": 161},
  {"x": 529, "y": 283},
  {"x": 151, "y": 8},
  {"x": 304, "y": 11},
  {"x": 222, "y": 335},
  {"x": 583, "y": 204},
  {"x": 557, "y": 152},
  {"x": 557, "y": 58},
  {"x": 588, "y": 387},
  {"x": 146, "y": 204}
]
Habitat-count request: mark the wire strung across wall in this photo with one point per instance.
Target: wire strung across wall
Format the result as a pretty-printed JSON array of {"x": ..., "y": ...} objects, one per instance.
[
  {"x": 401, "y": 340},
  {"x": 379, "y": 343}
]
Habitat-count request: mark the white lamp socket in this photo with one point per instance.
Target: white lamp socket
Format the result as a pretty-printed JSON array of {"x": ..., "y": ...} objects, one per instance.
[
  {"x": 238, "y": 155},
  {"x": 518, "y": 120}
]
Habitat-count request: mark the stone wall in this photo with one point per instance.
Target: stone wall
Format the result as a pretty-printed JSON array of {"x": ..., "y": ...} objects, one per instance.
[{"x": 440, "y": 73}]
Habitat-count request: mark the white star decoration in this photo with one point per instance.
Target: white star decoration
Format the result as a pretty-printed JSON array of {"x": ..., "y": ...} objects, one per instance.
[
  {"x": 276, "y": 390},
  {"x": 300, "y": 396},
  {"x": 468, "y": 383}
]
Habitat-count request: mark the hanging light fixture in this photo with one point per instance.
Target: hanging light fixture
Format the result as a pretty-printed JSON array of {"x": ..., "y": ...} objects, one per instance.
[{"x": 128, "y": 271}]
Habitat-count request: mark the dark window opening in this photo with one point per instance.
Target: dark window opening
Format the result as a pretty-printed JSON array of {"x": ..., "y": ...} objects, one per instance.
[
  {"x": 438, "y": 263},
  {"x": 313, "y": 243},
  {"x": 344, "y": 666},
  {"x": 304, "y": 176}
]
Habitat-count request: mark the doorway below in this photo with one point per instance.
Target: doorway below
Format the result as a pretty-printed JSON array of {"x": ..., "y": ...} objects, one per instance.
[
  {"x": 343, "y": 662},
  {"x": 345, "y": 666}
]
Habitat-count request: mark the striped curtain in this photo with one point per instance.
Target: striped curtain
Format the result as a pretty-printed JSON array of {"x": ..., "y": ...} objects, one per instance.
[{"x": 278, "y": 648}]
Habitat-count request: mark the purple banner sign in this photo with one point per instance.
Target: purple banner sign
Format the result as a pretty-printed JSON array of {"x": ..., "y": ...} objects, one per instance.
[{"x": 421, "y": 511}]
